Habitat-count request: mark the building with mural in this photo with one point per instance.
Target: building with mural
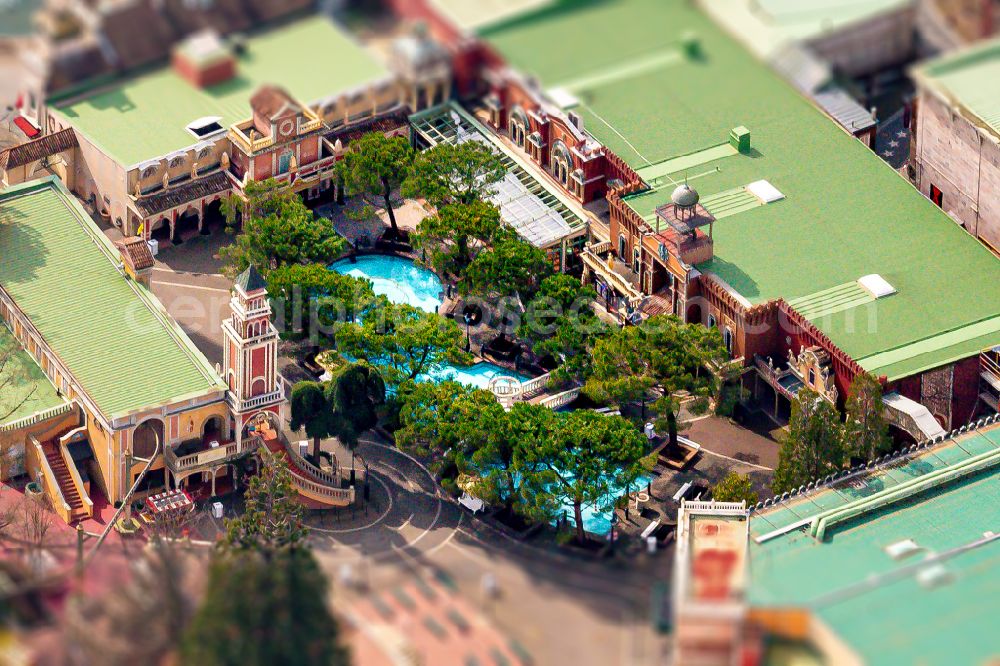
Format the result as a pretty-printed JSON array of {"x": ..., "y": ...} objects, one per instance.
[
  {"x": 115, "y": 386},
  {"x": 955, "y": 152}
]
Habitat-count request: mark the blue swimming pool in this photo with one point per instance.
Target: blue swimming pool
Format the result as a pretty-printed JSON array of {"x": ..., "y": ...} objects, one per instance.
[
  {"x": 477, "y": 375},
  {"x": 396, "y": 278},
  {"x": 595, "y": 521}
]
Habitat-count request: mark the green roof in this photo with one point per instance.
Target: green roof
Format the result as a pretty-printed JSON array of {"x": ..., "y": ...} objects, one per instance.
[
  {"x": 970, "y": 79},
  {"x": 479, "y": 14},
  {"x": 145, "y": 117},
  {"x": 111, "y": 333},
  {"x": 29, "y": 383},
  {"x": 872, "y": 601},
  {"x": 845, "y": 214}
]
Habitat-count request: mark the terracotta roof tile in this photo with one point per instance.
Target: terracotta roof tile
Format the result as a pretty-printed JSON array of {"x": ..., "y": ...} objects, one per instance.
[
  {"x": 182, "y": 194},
  {"x": 135, "y": 252},
  {"x": 40, "y": 148}
]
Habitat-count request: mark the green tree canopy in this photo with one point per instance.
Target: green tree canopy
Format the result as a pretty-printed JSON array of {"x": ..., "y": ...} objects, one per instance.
[
  {"x": 504, "y": 475},
  {"x": 377, "y": 164},
  {"x": 445, "y": 420},
  {"x": 403, "y": 341},
  {"x": 315, "y": 300},
  {"x": 311, "y": 409},
  {"x": 278, "y": 230},
  {"x": 447, "y": 237},
  {"x": 814, "y": 446},
  {"x": 591, "y": 457},
  {"x": 735, "y": 487},
  {"x": 272, "y": 517},
  {"x": 261, "y": 611},
  {"x": 664, "y": 354},
  {"x": 356, "y": 393},
  {"x": 448, "y": 173},
  {"x": 560, "y": 323},
  {"x": 511, "y": 266},
  {"x": 865, "y": 430}
]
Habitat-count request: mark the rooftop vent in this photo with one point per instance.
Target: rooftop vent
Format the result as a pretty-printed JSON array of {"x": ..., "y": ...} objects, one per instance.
[
  {"x": 901, "y": 549},
  {"x": 933, "y": 575},
  {"x": 876, "y": 285}
]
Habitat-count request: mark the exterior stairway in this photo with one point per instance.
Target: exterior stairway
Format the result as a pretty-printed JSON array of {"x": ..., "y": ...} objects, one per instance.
[
  {"x": 64, "y": 480},
  {"x": 317, "y": 489}
]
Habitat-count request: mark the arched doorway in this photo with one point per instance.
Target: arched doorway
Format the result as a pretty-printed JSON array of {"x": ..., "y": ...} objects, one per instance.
[
  {"x": 694, "y": 314},
  {"x": 214, "y": 219},
  {"x": 187, "y": 222},
  {"x": 263, "y": 423},
  {"x": 145, "y": 438},
  {"x": 159, "y": 230},
  {"x": 214, "y": 429}
]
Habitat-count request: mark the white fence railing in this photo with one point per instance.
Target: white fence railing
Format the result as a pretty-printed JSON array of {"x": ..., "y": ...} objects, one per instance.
[
  {"x": 560, "y": 399},
  {"x": 37, "y": 417},
  {"x": 209, "y": 457}
]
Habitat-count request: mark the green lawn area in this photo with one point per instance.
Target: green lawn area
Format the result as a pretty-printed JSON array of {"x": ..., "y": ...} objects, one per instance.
[{"x": 22, "y": 378}]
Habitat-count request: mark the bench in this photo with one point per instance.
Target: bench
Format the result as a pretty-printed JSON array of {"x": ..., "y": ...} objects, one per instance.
[{"x": 679, "y": 495}]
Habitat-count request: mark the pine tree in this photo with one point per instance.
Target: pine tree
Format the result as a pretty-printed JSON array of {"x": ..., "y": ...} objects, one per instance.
[
  {"x": 866, "y": 431},
  {"x": 272, "y": 517},
  {"x": 814, "y": 446},
  {"x": 260, "y": 611}
]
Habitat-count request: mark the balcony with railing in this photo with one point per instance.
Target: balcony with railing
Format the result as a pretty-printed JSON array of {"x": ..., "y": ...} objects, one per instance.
[
  {"x": 781, "y": 378},
  {"x": 206, "y": 454},
  {"x": 243, "y": 404}
]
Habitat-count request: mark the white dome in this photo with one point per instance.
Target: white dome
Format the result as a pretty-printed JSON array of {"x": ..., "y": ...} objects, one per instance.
[{"x": 685, "y": 196}]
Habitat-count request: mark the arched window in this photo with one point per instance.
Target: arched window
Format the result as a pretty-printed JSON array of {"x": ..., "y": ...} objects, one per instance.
[
  {"x": 561, "y": 162},
  {"x": 622, "y": 247},
  {"x": 518, "y": 126},
  {"x": 711, "y": 321},
  {"x": 636, "y": 263},
  {"x": 727, "y": 339}
]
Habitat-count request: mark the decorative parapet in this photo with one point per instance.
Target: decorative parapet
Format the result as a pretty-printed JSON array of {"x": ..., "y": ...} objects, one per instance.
[{"x": 37, "y": 417}]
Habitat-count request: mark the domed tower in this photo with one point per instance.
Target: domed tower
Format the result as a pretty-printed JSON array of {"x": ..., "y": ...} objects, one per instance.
[
  {"x": 684, "y": 216},
  {"x": 685, "y": 199}
]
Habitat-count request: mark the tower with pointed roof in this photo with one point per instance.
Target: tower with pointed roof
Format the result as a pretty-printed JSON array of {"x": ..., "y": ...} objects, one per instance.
[{"x": 250, "y": 365}]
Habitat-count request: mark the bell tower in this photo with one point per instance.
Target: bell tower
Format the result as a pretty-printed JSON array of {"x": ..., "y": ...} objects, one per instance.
[{"x": 250, "y": 365}]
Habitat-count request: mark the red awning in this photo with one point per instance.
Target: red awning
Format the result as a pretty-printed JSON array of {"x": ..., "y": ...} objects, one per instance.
[{"x": 27, "y": 127}]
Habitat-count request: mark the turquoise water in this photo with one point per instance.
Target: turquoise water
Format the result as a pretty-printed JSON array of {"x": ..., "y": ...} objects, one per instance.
[
  {"x": 477, "y": 375},
  {"x": 396, "y": 278},
  {"x": 598, "y": 522}
]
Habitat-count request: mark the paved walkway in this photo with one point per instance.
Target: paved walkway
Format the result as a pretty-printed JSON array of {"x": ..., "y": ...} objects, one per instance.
[{"x": 411, "y": 530}]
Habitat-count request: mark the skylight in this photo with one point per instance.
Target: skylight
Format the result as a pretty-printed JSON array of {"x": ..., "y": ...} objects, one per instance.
[{"x": 205, "y": 126}]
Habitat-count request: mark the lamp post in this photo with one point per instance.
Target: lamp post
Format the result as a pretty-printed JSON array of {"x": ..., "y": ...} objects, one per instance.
[
  {"x": 467, "y": 315},
  {"x": 611, "y": 536}
]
